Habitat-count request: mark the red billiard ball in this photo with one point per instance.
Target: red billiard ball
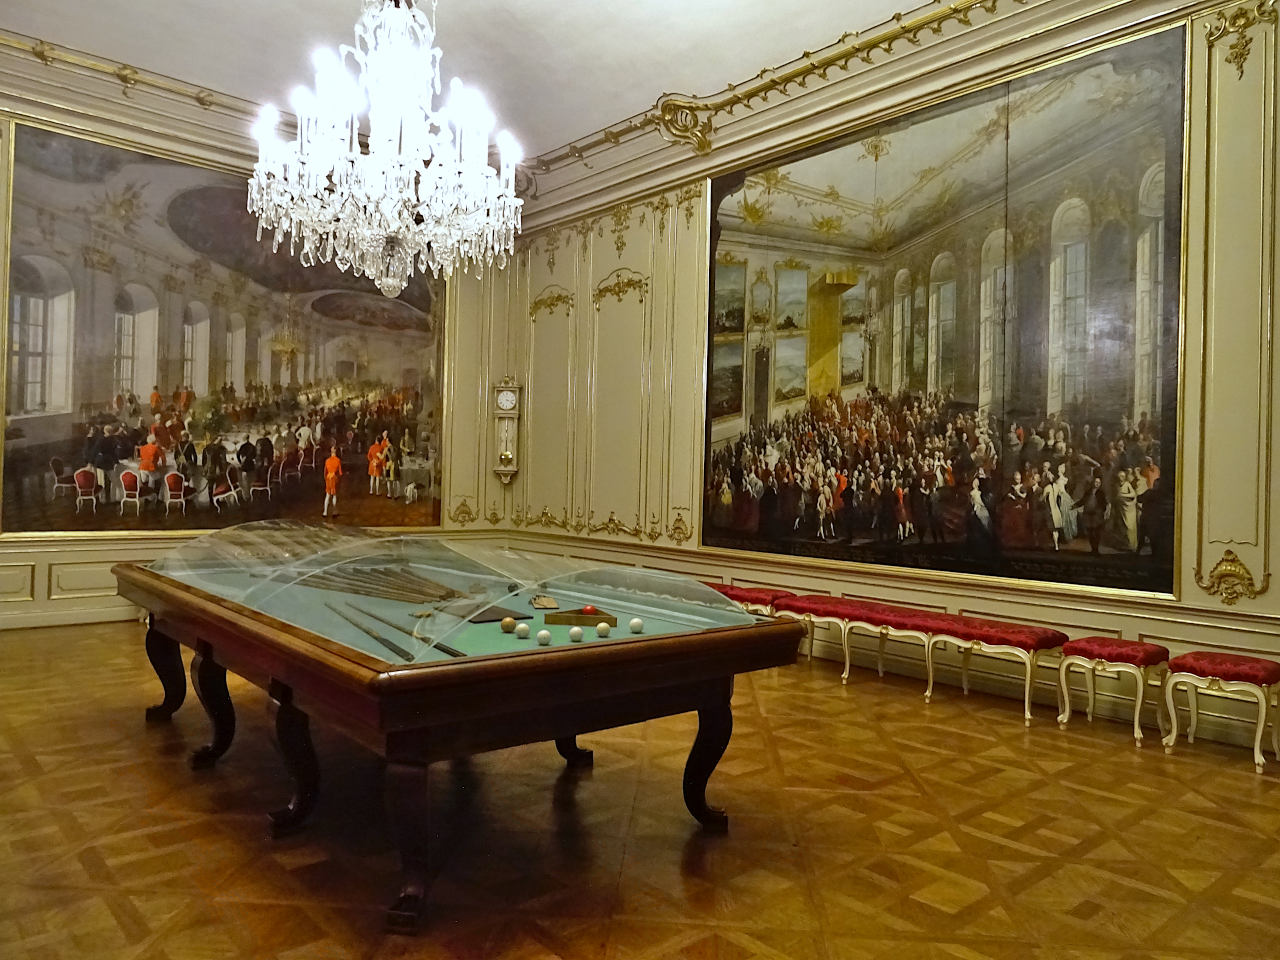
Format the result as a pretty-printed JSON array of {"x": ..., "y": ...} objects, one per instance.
[{"x": 588, "y": 609}]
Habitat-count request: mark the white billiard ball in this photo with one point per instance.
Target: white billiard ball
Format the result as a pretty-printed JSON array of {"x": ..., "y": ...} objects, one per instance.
[
  {"x": 575, "y": 634},
  {"x": 522, "y": 631},
  {"x": 508, "y": 624},
  {"x": 602, "y": 629},
  {"x": 544, "y": 638},
  {"x": 636, "y": 625}
]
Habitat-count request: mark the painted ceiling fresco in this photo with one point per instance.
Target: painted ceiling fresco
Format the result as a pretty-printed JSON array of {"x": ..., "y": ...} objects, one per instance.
[{"x": 891, "y": 183}]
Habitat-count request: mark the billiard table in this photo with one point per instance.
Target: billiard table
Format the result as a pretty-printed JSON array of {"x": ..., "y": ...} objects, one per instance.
[{"x": 413, "y": 647}]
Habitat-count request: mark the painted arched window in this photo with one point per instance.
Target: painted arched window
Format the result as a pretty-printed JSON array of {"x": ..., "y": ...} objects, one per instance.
[
  {"x": 901, "y": 327},
  {"x": 1068, "y": 305},
  {"x": 1149, "y": 302},
  {"x": 41, "y": 327},
  {"x": 995, "y": 310},
  {"x": 133, "y": 360},
  {"x": 195, "y": 347},
  {"x": 942, "y": 324}
]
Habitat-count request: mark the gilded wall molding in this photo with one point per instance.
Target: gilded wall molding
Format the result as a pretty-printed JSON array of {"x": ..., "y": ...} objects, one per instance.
[
  {"x": 129, "y": 77},
  {"x": 493, "y": 516},
  {"x": 692, "y": 120},
  {"x": 1237, "y": 24},
  {"x": 619, "y": 283},
  {"x": 1231, "y": 580},
  {"x": 550, "y": 300},
  {"x": 679, "y": 532},
  {"x": 462, "y": 514},
  {"x": 546, "y": 518},
  {"x": 613, "y": 526}
]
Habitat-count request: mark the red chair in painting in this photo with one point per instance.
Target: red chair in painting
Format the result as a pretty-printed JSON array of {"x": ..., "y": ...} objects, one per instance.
[
  {"x": 87, "y": 488},
  {"x": 291, "y": 468},
  {"x": 131, "y": 488},
  {"x": 227, "y": 489},
  {"x": 261, "y": 482},
  {"x": 177, "y": 490},
  {"x": 61, "y": 479}
]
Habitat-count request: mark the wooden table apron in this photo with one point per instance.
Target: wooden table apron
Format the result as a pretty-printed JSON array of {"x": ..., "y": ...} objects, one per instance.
[{"x": 416, "y": 714}]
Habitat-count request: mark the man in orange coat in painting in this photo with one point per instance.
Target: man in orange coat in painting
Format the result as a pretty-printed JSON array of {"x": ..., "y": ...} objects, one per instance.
[
  {"x": 375, "y": 465},
  {"x": 332, "y": 471}
]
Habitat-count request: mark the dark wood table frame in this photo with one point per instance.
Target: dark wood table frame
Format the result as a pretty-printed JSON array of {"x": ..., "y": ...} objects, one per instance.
[{"x": 418, "y": 714}]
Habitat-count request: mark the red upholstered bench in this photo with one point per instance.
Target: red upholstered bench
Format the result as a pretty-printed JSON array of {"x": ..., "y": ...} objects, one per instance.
[
  {"x": 754, "y": 599},
  {"x": 1226, "y": 673},
  {"x": 1111, "y": 656},
  {"x": 967, "y": 634}
]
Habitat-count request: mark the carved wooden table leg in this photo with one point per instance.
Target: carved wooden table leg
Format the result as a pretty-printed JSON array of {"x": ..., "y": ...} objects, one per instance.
[
  {"x": 405, "y": 785},
  {"x": 293, "y": 739},
  {"x": 166, "y": 659},
  {"x": 210, "y": 681},
  {"x": 574, "y": 755},
  {"x": 715, "y": 726}
]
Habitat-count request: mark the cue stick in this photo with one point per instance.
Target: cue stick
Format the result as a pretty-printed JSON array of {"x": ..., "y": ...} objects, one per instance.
[
  {"x": 443, "y": 647},
  {"x": 393, "y": 647}
]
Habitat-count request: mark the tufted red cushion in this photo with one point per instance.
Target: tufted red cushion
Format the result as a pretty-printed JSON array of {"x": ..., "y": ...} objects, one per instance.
[
  {"x": 991, "y": 632},
  {"x": 764, "y": 596},
  {"x": 1115, "y": 650},
  {"x": 1227, "y": 666}
]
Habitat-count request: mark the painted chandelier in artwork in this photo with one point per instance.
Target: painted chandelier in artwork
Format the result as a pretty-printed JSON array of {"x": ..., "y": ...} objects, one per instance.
[{"x": 418, "y": 192}]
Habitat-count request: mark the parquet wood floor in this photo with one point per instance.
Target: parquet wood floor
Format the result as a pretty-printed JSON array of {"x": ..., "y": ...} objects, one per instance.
[{"x": 865, "y": 825}]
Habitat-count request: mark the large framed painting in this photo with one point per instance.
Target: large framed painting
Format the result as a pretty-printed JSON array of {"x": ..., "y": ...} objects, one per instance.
[
  {"x": 790, "y": 373},
  {"x": 852, "y": 368},
  {"x": 731, "y": 297},
  {"x": 166, "y": 371},
  {"x": 724, "y": 395},
  {"x": 791, "y": 311},
  {"x": 1005, "y": 402}
]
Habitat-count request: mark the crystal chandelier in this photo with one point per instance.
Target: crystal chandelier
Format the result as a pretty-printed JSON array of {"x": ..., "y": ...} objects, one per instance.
[
  {"x": 417, "y": 191},
  {"x": 287, "y": 340}
]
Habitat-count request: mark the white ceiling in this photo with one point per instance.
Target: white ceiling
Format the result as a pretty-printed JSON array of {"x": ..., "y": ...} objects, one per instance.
[{"x": 553, "y": 70}]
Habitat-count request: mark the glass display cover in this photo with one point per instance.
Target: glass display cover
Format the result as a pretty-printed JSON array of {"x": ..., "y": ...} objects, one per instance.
[{"x": 414, "y": 599}]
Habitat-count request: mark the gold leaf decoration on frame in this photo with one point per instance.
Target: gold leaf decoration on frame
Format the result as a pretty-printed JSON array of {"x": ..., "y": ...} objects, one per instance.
[
  {"x": 579, "y": 522},
  {"x": 43, "y": 52},
  {"x": 727, "y": 259},
  {"x": 1231, "y": 580},
  {"x": 613, "y": 526},
  {"x": 128, "y": 77},
  {"x": 619, "y": 283},
  {"x": 546, "y": 519},
  {"x": 791, "y": 263},
  {"x": 462, "y": 514},
  {"x": 552, "y": 298},
  {"x": 686, "y": 122},
  {"x": 1238, "y": 23},
  {"x": 660, "y": 206},
  {"x": 493, "y": 516},
  {"x": 551, "y": 243}
]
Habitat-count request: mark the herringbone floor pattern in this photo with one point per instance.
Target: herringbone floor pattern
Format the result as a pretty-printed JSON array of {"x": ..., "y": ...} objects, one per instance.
[{"x": 865, "y": 826}]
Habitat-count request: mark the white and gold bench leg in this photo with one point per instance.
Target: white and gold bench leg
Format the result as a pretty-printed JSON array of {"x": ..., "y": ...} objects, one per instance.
[
  {"x": 845, "y": 627},
  {"x": 1171, "y": 682},
  {"x": 1031, "y": 660},
  {"x": 1064, "y": 690},
  {"x": 884, "y": 636},
  {"x": 1193, "y": 710},
  {"x": 929, "y": 642},
  {"x": 966, "y": 652}
]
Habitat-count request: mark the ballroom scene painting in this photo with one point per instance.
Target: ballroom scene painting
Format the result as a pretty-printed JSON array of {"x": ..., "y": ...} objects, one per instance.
[
  {"x": 167, "y": 371},
  {"x": 969, "y": 357}
]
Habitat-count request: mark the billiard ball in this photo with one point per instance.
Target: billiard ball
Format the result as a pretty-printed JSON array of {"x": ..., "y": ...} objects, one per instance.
[
  {"x": 522, "y": 631},
  {"x": 636, "y": 625},
  {"x": 508, "y": 624},
  {"x": 544, "y": 638},
  {"x": 575, "y": 634},
  {"x": 602, "y": 629},
  {"x": 589, "y": 609}
]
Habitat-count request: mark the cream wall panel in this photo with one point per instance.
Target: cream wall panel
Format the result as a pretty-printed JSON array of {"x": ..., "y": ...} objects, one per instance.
[
  {"x": 80, "y": 580},
  {"x": 1237, "y": 288},
  {"x": 620, "y": 373},
  {"x": 464, "y": 428},
  {"x": 550, "y": 398},
  {"x": 686, "y": 344},
  {"x": 17, "y": 582}
]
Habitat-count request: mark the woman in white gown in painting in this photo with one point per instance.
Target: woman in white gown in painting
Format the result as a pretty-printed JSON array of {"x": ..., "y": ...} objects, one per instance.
[
  {"x": 1124, "y": 513},
  {"x": 1066, "y": 506}
]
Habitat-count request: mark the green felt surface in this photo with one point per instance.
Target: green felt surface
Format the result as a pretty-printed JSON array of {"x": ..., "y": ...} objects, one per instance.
[{"x": 315, "y": 610}]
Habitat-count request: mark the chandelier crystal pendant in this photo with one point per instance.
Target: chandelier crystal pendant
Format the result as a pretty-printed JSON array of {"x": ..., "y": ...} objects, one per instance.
[{"x": 422, "y": 195}]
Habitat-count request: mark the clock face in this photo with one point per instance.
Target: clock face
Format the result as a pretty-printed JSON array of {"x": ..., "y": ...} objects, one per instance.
[{"x": 506, "y": 399}]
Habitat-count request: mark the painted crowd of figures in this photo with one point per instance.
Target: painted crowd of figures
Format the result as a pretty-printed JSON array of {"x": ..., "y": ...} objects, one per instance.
[{"x": 912, "y": 470}]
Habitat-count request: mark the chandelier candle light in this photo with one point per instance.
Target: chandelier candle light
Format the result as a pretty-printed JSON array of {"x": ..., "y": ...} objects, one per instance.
[{"x": 422, "y": 193}]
